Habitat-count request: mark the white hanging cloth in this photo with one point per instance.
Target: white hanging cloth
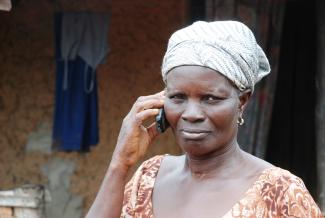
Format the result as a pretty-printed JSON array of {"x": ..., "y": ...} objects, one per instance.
[{"x": 5, "y": 5}]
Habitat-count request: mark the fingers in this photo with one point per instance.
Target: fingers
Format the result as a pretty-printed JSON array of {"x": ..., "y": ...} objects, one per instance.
[
  {"x": 152, "y": 130},
  {"x": 143, "y": 115},
  {"x": 148, "y": 102},
  {"x": 144, "y": 108},
  {"x": 159, "y": 95}
]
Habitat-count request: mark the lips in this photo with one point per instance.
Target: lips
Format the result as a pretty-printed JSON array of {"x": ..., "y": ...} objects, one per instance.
[{"x": 194, "y": 134}]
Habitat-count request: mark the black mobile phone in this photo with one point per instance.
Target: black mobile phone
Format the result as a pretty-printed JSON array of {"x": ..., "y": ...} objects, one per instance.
[{"x": 162, "y": 123}]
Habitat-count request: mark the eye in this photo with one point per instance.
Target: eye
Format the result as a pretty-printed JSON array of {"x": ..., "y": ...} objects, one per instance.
[
  {"x": 177, "y": 98},
  {"x": 210, "y": 99}
]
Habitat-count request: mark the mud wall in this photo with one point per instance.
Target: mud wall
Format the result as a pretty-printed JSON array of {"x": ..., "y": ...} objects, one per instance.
[{"x": 138, "y": 33}]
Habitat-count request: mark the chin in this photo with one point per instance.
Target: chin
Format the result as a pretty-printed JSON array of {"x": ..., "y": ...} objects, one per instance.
[{"x": 197, "y": 148}]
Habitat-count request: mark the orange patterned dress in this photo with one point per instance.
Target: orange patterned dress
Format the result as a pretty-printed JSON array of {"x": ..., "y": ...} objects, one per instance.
[{"x": 276, "y": 193}]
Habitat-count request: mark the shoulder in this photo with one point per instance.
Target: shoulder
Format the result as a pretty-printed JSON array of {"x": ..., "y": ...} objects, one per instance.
[
  {"x": 153, "y": 162},
  {"x": 278, "y": 182},
  {"x": 137, "y": 192},
  {"x": 256, "y": 164},
  {"x": 286, "y": 195},
  {"x": 170, "y": 161},
  {"x": 149, "y": 168},
  {"x": 147, "y": 171},
  {"x": 278, "y": 175},
  {"x": 278, "y": 193},
  {"x": 170, "y": 165},
  {"x": 282, "y": 179}
]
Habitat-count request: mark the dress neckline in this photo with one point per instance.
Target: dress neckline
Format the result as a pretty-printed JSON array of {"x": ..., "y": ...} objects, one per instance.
[{"x": 228, "y": 213}]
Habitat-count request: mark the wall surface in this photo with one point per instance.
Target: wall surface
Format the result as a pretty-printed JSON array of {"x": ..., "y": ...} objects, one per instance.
[{"x": 138, "y": 34}]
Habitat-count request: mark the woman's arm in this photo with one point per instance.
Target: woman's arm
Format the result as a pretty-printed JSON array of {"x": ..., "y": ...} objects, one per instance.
[
  {"x": 108, "y": 202},
  {"x": 133, "y": 142}
]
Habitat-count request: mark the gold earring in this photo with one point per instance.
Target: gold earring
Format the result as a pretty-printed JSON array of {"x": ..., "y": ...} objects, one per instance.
[{"x": 240, "y": 121}]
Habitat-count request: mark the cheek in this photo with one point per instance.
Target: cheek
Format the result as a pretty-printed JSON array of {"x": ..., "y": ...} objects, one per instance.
[
  {"x": 173, "y": 113},
  {"x": 224, "y": 116}
]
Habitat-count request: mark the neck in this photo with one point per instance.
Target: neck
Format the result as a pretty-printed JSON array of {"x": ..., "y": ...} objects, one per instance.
[{"x": 219, "y": 164}]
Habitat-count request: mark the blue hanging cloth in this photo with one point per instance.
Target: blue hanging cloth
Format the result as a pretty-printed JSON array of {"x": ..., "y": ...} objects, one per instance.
[{"x": 75, "y": 125}]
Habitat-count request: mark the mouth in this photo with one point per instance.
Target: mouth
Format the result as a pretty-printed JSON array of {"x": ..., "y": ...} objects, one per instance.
[{"x": 194, "y": 134}]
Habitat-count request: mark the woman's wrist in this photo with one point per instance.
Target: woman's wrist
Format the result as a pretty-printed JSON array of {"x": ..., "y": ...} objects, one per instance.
[{"x": 117, "y": 167}]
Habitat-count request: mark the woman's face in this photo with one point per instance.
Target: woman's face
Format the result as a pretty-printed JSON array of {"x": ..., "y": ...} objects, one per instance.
[{"x": 202, "y": 108}]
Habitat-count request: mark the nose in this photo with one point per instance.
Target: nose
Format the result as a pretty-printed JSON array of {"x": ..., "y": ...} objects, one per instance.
[{"x": 193, "y": 113}]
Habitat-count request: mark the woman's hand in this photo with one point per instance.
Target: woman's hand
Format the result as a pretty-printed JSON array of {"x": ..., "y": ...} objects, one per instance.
[
  {"x": 134, "y": 138},
  {"x": 132, "y": 144}
]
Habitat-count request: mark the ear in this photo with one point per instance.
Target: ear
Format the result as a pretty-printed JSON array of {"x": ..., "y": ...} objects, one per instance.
[{"x": 244, "y": 97}]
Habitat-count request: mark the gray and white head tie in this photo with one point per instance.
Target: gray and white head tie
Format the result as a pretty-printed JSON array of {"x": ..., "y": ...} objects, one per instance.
[{"x": 228, "y": 47}]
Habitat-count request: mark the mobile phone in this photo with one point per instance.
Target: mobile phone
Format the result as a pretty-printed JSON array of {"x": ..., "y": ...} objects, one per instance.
[{"x": 162, "y": 123}]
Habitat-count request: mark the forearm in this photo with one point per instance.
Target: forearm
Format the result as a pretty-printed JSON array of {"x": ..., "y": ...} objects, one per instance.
[
  {"x": 132, "y": 143},
  {"x": 109, "y": 200}
]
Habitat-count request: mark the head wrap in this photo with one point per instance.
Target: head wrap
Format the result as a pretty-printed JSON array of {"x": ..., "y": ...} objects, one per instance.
[{"x": 228, "y": 47}]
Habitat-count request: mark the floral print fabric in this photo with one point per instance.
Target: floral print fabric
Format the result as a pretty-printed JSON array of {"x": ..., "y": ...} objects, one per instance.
[{"x": 276, "y": 193}]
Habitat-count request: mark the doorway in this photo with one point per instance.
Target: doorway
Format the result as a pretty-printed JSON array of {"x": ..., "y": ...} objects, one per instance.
[{"x": 291, "y": 141}]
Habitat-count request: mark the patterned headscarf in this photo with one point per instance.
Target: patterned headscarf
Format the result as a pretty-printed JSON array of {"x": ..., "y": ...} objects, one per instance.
[{"x": 228, "y": 47}]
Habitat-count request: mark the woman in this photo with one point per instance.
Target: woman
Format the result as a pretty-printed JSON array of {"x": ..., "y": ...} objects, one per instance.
[{"x": 210, "y": 70}]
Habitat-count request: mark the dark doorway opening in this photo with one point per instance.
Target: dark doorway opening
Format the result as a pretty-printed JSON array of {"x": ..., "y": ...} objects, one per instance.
[
  {"x": 196, "y": 10},
  {"x": 291, "y": 143}
]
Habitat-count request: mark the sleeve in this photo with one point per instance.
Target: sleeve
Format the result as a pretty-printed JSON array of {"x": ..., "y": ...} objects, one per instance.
[
  {"x": 297, "y": 201},
  {"x": 137, "y": 192}
]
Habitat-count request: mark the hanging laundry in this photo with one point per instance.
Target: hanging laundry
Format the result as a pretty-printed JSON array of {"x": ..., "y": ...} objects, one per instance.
[
  {"x": 80, "y": 46},
  {"x": 85, "y": 35},
  {"x": 5, "y": 5}
]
